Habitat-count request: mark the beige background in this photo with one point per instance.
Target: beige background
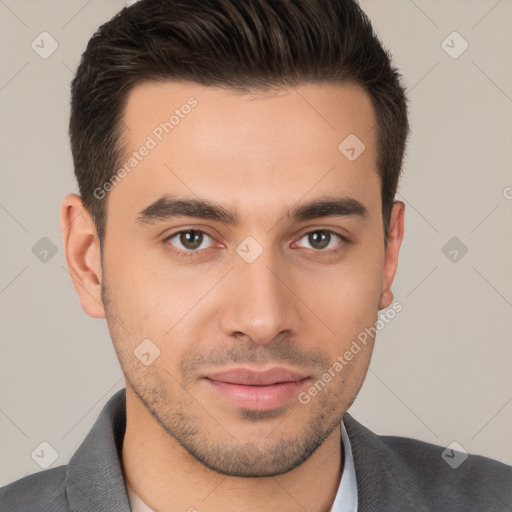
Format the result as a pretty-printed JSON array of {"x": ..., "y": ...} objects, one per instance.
[{"x": 441, "y": 369}]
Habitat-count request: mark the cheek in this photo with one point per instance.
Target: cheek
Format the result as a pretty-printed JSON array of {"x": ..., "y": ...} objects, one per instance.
[
  {"x": 140, "y": 289},
  {"x": 153, "y": 303},
  {"x": 348, "y": 299}
]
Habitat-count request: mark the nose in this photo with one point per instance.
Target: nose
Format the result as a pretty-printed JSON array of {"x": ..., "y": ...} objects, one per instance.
[{"x": 260, "y": 301}]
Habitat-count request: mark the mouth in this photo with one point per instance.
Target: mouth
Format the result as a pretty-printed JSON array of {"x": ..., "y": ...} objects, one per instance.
[{"x": 256, "y": 390}]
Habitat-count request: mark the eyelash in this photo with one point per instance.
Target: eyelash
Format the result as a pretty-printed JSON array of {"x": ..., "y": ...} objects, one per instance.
[{"x": 197, "y": 252}]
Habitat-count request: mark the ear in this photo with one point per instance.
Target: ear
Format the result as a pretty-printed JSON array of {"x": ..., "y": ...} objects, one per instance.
[
  {"x": 82, "y": 249},
  {"x": 395, "y": 236}
]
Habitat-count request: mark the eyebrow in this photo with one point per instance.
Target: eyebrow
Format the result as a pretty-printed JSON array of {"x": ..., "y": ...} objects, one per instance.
[{"x": 170, "y": 206}]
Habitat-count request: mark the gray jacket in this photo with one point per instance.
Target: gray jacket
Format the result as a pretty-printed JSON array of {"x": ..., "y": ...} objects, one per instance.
[{"x": 393, "y": 474}]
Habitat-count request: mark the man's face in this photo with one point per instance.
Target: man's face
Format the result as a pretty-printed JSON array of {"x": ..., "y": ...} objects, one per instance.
[{"x": 250, "y": 314}]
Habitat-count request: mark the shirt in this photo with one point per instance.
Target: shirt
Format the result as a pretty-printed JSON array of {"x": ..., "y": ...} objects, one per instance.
[{"x": 346, "y": 496}]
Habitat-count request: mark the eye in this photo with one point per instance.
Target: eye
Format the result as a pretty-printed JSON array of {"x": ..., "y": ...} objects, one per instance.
[
  {"x": 189, "y": 242},
  {"x": 322, "y": 239}
]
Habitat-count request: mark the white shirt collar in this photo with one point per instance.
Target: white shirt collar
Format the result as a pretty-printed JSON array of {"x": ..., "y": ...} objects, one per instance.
[
  {"x": 346, "y": 497},
  {"x": 345, "y": 500}
]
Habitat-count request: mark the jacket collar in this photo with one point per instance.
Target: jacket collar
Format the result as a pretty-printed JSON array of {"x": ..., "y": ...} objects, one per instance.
[
  {"x": 94, "y": 476},
  {"x": 384, "y": 482}
]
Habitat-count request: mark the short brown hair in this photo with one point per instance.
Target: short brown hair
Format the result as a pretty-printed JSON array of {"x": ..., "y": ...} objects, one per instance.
[{"x": 240, "y": 45}]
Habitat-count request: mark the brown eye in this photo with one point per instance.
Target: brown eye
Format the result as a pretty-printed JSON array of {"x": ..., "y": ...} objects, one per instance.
[
  {"x": 189, "y": 240},
  {"x": 322, "y": 239}
]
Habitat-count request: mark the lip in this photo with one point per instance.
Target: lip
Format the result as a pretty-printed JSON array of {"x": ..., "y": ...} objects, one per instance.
[
  {"x": 249, "y": 377},
  {"x": 256, "y": 390}
]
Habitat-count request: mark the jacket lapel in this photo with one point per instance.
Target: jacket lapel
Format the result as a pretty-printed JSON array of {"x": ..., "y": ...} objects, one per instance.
[
  {"x": 383, "y": 481},
  {"x": 94, "y": 477}
]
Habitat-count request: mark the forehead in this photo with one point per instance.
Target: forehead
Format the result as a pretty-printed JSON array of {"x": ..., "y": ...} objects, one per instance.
[
  {"x": 321, "y": 108},
  {"x": 260, "y": 148}
]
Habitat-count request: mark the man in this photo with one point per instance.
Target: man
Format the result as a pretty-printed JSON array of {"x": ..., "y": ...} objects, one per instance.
[{"x": 237, "y": 228}]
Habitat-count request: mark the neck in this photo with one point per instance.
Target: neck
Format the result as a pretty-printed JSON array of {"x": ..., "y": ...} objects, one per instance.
[{"x": 167, "y": 478}]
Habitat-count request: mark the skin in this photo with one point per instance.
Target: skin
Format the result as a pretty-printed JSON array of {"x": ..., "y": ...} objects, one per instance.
[{"x": 297, "y": 305}]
